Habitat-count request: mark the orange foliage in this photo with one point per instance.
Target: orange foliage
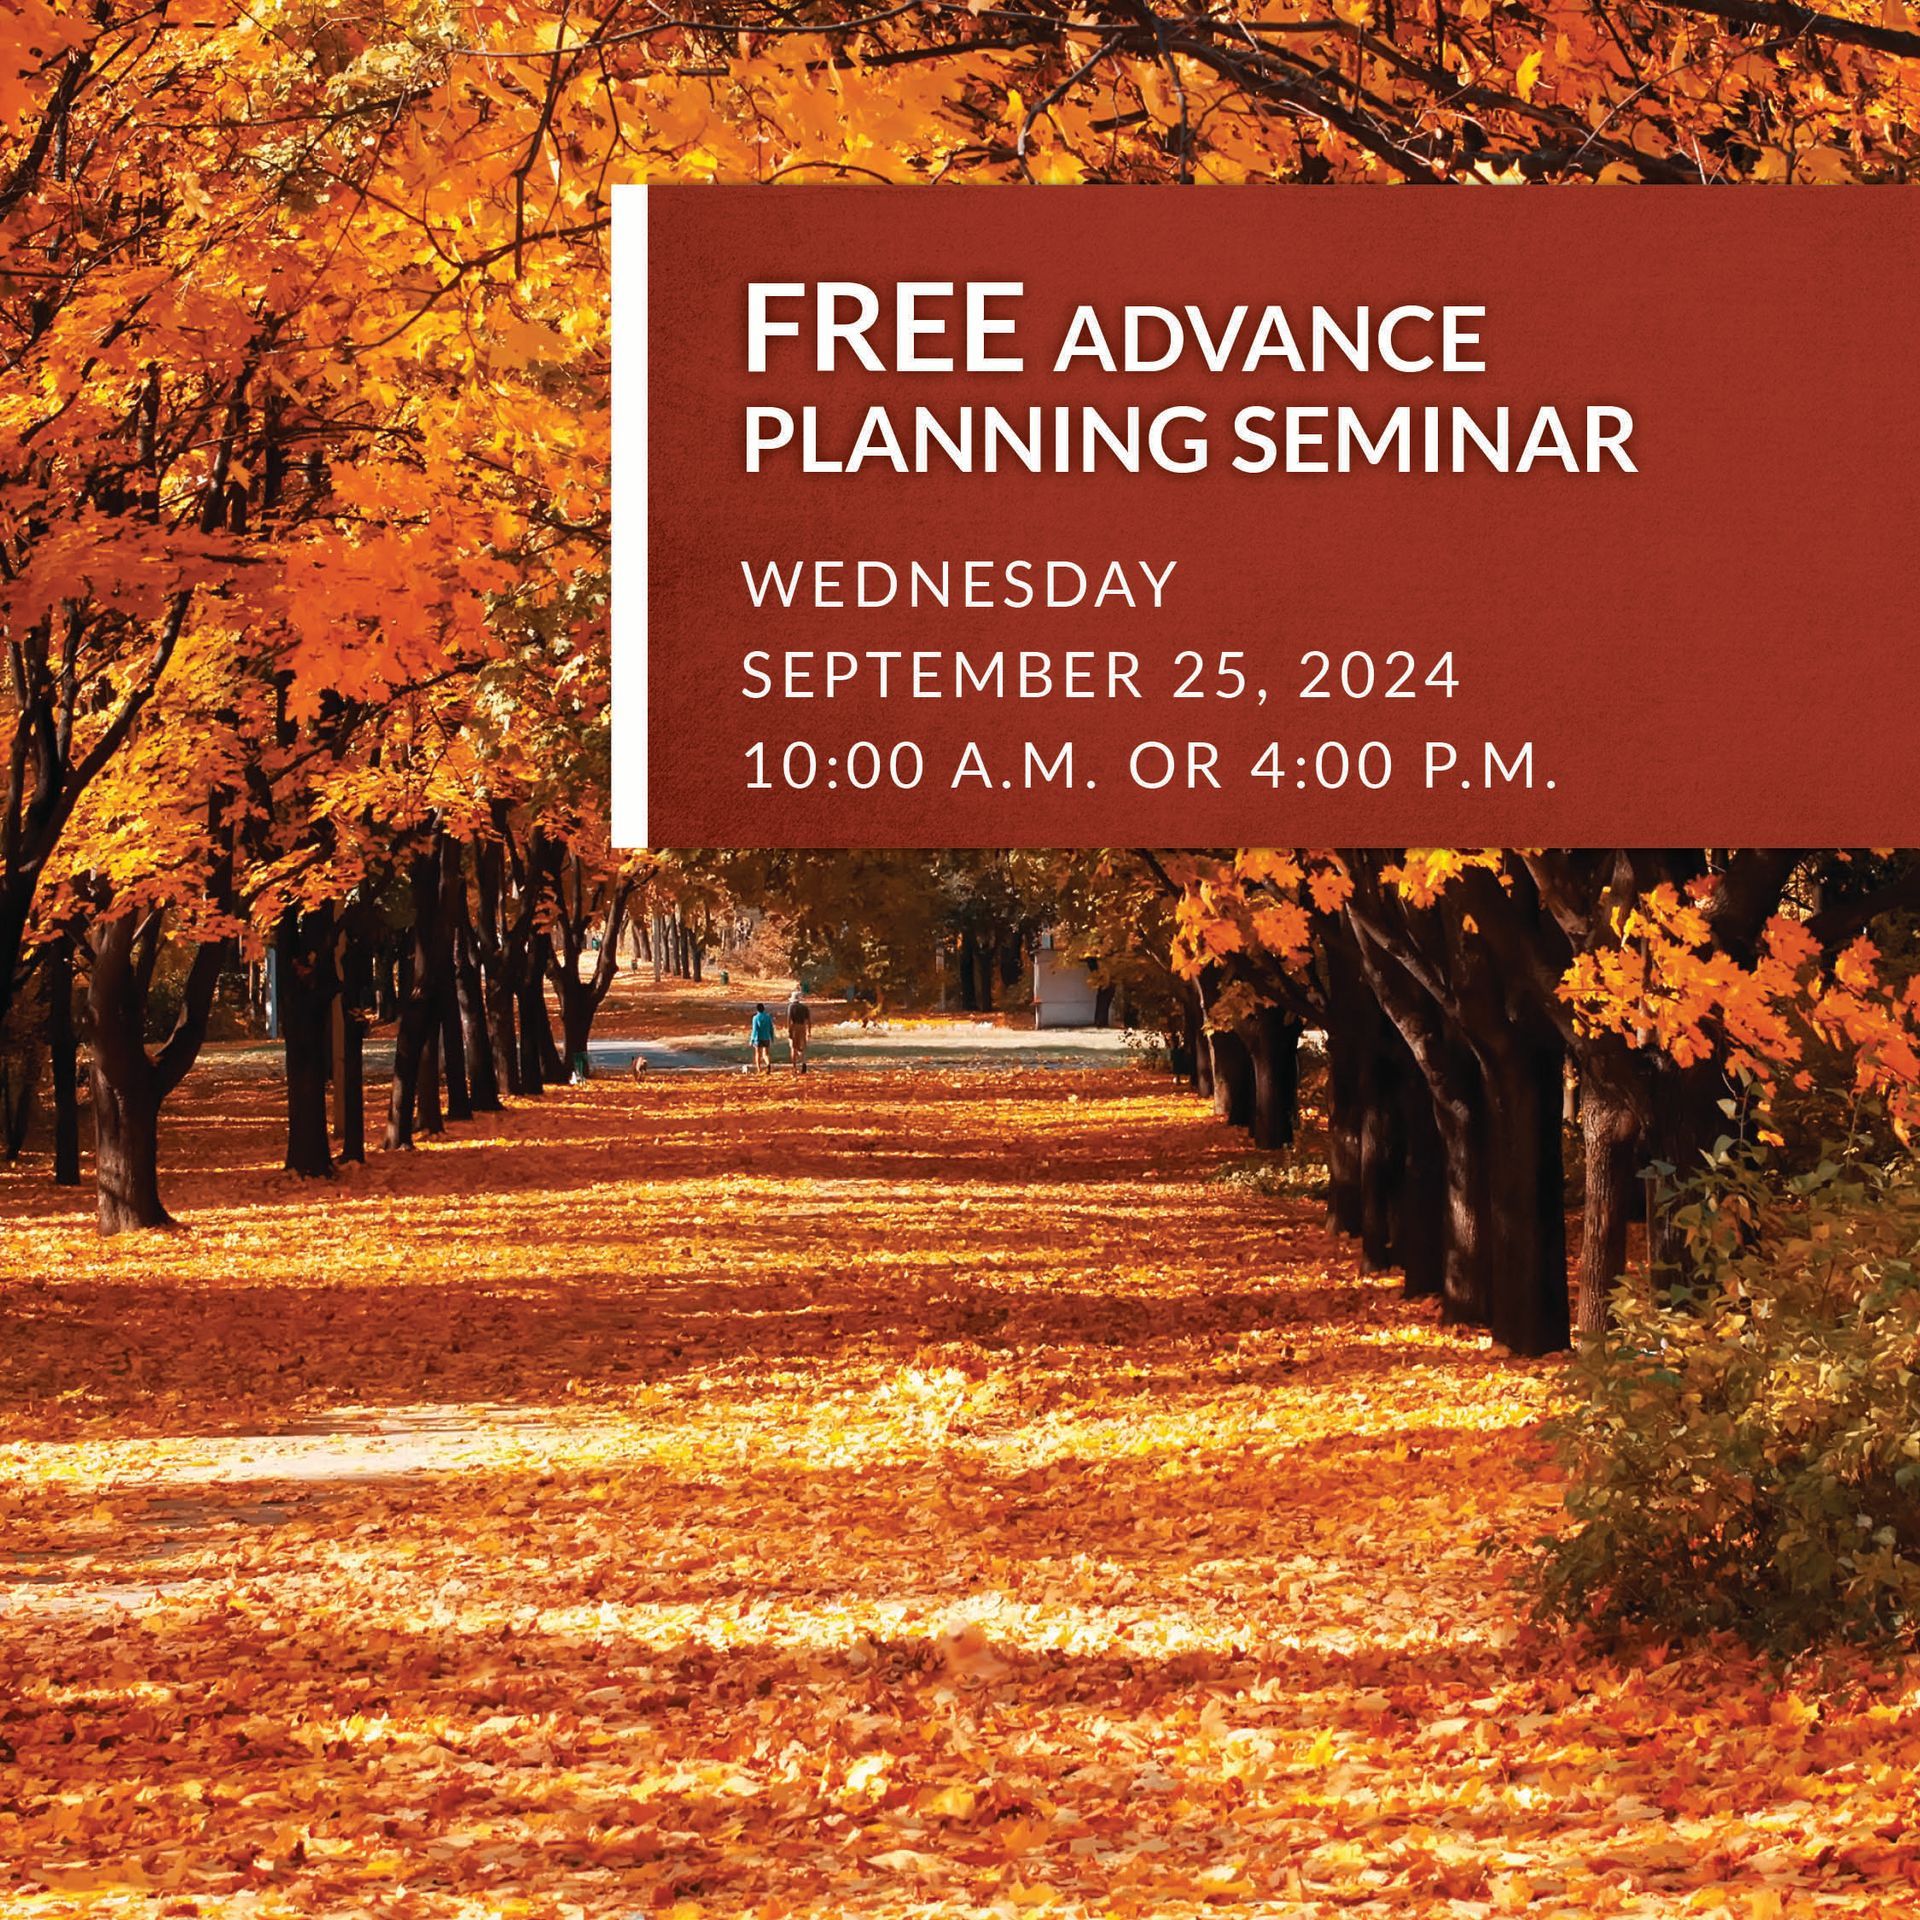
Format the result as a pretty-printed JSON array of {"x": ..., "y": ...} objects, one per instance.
[
  {"x": 1258, "y": 902},
  {"x": 1664, "y": 984},
  {"x": 1657, "y": 979},
  {"x": 932, "y": 1493}
]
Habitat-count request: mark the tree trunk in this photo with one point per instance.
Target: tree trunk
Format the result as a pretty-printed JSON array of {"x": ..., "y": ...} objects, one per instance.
[
  {"x": 409, "y": 1046},
  {"x": 1452, "y": 1080},
  {"x": 552, "y": 1067},
  {"x": 963, "y": 968},
  {"x": 303, "y": 944},
  {"x": 1610, "y": 1132},
  {"x": 531, "y": 1017},
  {"x": 126, "y": 1148},
  {"x": 1420, "y": 1215},
  {"x": 1383, "y": 1163},
  {"x": 483, "y": 1083},
  {"x": 568, "y": 945},
  {"x": 63, "y": 1046},
  {"x": 129, "y": 1084},
  {"x": 1464, "y": 1287},
  {"x": 428, "y": 1118},
  {"x": 1272, "y": 1041},
  {"x": 1199, "y": 1051},
  {"x": 576, "y": 1020},
  {"x": 453, "y": 1057},
  {"x": 501, "y": 1034},
  {"x": 357, "y": 990},
  {"x": 1346, "y": 1116},
  {"x": 1526, "y": 1194},
  {"x": 386, "y": 982},
  {"x": 350, "y": 1090},
  {"x": 19, "y": 1083},
  {"x": 419, "y": 1019},
  {"x": 1232, "y": 1079},
  {"x": 1356, "y": 1031},
  {"x": 490, "y": 942}
]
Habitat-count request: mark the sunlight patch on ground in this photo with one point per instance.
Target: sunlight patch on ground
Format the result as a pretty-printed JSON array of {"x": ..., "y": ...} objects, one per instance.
[{"x": 904, "y": 1499}]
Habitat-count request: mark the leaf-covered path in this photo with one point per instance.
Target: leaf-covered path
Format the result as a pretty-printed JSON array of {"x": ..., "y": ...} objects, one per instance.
[{"x": 897, "y": 1494}]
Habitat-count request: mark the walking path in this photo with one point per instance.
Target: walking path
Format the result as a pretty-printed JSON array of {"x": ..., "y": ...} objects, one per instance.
[
  {"x": 837, "y": 1046},
  {"x": 899, "y": 1493}
]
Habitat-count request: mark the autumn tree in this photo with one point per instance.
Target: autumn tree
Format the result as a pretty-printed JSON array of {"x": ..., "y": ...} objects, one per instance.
[
  {"x": 138, "y": 914},
  {"x": 303, "y": 343},
  {"x": 1646, "y": 988}
]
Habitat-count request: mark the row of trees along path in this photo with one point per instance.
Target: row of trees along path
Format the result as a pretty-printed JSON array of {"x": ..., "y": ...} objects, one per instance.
[
  {"x": 1478, "y": 1007},
  {"x": 304, "y": 532},
  {"x": 458, "y": 950},
  {"x": 1474, "y": 1002}
]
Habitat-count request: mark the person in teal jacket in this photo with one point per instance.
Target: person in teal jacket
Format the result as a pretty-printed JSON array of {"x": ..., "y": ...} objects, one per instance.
[{"x": 760, "y": 1033}]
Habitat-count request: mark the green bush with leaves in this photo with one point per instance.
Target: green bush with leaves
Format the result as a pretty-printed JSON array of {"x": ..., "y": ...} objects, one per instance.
[{"x": 1743, "y": 1447}]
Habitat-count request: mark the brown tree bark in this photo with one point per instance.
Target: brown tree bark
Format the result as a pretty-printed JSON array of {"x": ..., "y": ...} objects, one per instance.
[
  {"x": 1611, "y": 1139},
  {"x": 1199, "y": 1051},
  {"x": 524, "y": 952},
  {"x": 452, "y": 1052},
  {"x": 126, "y": 1152},
  {"x": 129, "y": 1083},
  {"x": 1420, "y": 1212},
  {"x": 1354, "y": 1027},
  {"x": 19, "y": 1089},
  {"x": 1526, "y": 1205},
  {"x": 417, "y": 1032},
  {"x": 496, "y": 972},
  {"x": 551, "y": 1063},
  {"x": 1469, "y": 981},
  {"x": 1272, "y": 1041},
  {"x": 1454, "y": 1091},
  {"x": 63, "y": 1048},
  {"x": 355, "y": 965},
  {"x": 580, "y": 907},
  {"x": 303, "y": 947},
  {"x": 1383, "y": 1163},
  {"x": 483, "y": 1084},
  {"x": 1232, "y": 1078},
  {"x": 963, "y": 964},
  {"x": 350, "y": 1094},
  {"x": 540, "y": 1064},
  {"x": 428, "y": 1116}
]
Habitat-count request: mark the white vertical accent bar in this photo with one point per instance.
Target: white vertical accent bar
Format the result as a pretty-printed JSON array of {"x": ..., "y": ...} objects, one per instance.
[{"x": 629, "y": 611}]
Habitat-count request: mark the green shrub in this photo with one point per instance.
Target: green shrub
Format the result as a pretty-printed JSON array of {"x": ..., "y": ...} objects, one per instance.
[{"x": 1743, "y": 1449}]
